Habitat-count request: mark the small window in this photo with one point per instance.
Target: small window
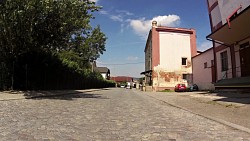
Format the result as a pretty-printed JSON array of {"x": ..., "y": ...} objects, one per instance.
[
  {"x": 205, "y": 65},
  {"x": 184, "y": 76},
  {"x": 184, "y": 61}
]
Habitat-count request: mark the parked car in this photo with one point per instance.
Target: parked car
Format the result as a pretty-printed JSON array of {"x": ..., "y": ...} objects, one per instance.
[
  {"x": 194, "y": 87},
  {"x": 180, "y": 88}
]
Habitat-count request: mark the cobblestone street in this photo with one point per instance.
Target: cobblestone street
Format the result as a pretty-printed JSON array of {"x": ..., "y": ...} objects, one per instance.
[{"x": 107, "y": 115}]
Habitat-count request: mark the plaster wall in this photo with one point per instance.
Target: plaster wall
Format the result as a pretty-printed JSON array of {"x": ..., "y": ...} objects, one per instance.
[
  {"x": 227, "y": 7},
  {"x": 203, "y": 76},
  {"x": 216, "y": 16},
  {"x": 148, "y": 56},
  {"x": 211, "y": 2},
  {"x": 104, "y": 75},
  {"x": 174, "y": 47}
]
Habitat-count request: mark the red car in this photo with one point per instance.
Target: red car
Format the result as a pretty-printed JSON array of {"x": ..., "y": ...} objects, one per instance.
[{"x": 180, "y": 88}]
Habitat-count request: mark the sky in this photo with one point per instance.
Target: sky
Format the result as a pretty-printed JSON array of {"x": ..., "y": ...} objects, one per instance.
[{"x": 126, "y": 24}]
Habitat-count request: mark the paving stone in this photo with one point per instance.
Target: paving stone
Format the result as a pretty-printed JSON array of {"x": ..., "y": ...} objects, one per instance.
[{"x": 107, "y": 115}]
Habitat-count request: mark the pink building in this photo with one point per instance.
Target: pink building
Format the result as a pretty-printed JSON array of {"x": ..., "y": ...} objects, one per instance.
[
  {"x": 230, "y": 35},
  {"x": 203, "y": 70},
  {"x": 168, "y": 53}
]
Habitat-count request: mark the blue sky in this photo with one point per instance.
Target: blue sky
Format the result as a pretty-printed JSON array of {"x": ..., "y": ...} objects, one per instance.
[{"x": 126, "y": 24}]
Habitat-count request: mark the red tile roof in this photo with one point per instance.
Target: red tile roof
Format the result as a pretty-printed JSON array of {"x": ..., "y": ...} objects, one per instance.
[{"x": 122, "y": 79}]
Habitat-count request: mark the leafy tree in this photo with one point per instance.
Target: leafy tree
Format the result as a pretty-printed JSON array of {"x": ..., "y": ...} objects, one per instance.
[
  {"x": 48, "y": 26},
  {"x": 94, "y": 45}
]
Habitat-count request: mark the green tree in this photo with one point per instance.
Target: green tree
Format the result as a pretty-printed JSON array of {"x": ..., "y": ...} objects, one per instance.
[
  {"x": 89, "y": 47},
  {"x": 47, "y": 25}
]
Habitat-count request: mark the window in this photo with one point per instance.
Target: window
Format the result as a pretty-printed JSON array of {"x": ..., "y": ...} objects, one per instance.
[
  {"x": 224, "y": 63},
  {"x": 184, "y": 61},
  {"x": 205, "y": 65},
  {"x": 184, "y": 76}
]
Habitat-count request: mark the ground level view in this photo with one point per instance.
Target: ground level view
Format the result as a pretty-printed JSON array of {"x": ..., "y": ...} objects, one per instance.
[{"x": 107, "y": 115}]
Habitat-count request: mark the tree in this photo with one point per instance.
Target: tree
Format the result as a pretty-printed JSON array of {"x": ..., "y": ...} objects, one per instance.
[
  {"x": 45, "y": 25},
  {"x": 92, "y": 46}
]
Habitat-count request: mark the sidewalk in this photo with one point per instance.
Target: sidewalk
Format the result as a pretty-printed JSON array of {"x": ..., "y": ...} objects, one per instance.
[{"x": 227, "y": 108}]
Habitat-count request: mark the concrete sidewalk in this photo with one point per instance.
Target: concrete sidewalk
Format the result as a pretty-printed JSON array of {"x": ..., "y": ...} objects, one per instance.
[{"x": 229, "y": 109}]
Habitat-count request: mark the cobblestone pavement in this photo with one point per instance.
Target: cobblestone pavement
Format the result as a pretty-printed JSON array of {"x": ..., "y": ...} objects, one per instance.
[{"x": 107, "y": 115}]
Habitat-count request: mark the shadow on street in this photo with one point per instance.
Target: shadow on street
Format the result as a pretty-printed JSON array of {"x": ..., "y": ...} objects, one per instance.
[
  {"x": 243, "y": 98},
  {"x": 64, "y": 94},
  {"x": 234, "y": 97}
]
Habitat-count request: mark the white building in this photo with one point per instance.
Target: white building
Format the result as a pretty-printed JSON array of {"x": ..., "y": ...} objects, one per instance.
[{"x": 168, "y": 55}]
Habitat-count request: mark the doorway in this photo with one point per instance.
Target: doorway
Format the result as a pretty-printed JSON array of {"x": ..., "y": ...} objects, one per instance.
[{"x": 245, "y": 59}]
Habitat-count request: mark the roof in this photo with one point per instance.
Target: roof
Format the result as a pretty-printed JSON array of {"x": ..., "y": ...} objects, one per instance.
[
  {"x": 175, "y": 29},
  {"x": 145, "y": 72},
  {"x": 101, "y": 69},
  {"x": 122, "y": 79},
  {"x": 202, "y": 52}
]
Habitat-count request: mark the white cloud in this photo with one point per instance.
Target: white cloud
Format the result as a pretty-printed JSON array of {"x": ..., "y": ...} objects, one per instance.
[
  {"x": 125, "y": 12},
  {"x": 94, "y": 1},
  {"x": 170, "y": 20},
  {"x": 116, "y": 18},
  {"x": 142, "y": 26},
  {"x": 103, "y": 12},
  {"x": 204, "y": 45},
  {"x": 132, "y": 58}
]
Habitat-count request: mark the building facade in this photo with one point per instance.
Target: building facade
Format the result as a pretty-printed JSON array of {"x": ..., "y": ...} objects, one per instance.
[
  {"x": 104, "y": 71},
  {"x": 203, "y": 70},
  {"x": 168, "y": 53},
  {"x": 230, "y": 35}
]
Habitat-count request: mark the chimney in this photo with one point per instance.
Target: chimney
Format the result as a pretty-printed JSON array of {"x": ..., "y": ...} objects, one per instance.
[{"x": 154, "y": 24}]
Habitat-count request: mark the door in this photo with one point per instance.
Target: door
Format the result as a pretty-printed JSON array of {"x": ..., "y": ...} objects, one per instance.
[{"x": 245, "y": 59}]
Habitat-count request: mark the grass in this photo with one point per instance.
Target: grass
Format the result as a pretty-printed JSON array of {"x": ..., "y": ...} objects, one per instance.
[{"x": 167, "y": 90}]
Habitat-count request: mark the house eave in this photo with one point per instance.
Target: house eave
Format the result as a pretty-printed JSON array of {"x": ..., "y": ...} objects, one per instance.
[{"x": 237, "y": 31}]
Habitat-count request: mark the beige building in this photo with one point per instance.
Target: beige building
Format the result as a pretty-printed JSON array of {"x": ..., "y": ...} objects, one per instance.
[{"x": 168, "y": 53}]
